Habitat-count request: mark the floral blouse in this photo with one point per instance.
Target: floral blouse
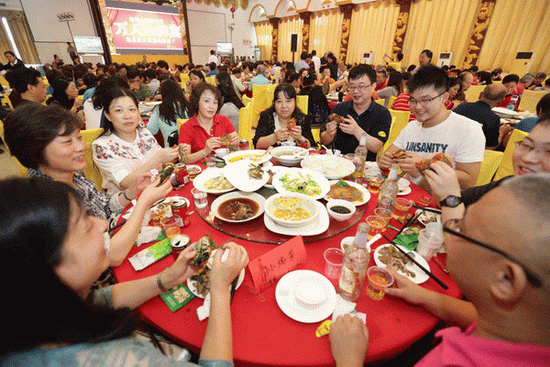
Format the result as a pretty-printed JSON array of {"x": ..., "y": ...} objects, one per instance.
[{"x": 117, "y": 158}]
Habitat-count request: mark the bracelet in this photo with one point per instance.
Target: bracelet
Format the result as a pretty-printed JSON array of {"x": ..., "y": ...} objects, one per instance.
[
  {"x": 159, "y": 281},
  {"x": 125, "y": 196}
]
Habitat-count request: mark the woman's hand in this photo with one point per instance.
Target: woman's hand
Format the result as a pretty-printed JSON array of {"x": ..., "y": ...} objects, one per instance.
[
  {"x": 235, "y": 140},
  {"x": 153, "y": 192},
  {"x": 332, "y": 126},
  {"x": 443, "y": 180},
  {"x": 211, "y": 144},
  {"x": 166, "y": 155},
  {"x": 180, "y": 270},
  {"x": 296, "y": 132},
  {"x": 406, "y": 289},
  {"x": 282, "y": 135},
  {"x": 223, "y": 273},
  {"x": 349, "y": 339},
  {"x": 185, "y": 149}
]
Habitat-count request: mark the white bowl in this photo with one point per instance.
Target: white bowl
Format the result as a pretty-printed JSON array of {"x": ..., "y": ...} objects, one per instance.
[
  {"x": 309, "y": 293},
  {"x": 285, "y": 155},
  {"x": 221, "y": 152},
  {"x": 338, "y": 216},
  {"x": 304, "y": 201}
]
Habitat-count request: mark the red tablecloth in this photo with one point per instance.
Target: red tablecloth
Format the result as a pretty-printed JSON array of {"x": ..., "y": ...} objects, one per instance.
[{"x": 262, "y": 333}]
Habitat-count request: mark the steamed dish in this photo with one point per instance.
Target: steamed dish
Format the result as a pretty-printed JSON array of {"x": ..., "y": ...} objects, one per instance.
[
  {"x": 219, "y": 183},
  {"x": 290, "y": 209}
]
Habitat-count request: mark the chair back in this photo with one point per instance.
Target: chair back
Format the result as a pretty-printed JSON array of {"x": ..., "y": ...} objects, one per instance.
[
  {"x": 399, "y": 119},
  {"x": 6, "y": 101},
  {"x": 529, "y": 100},
  {"x": 180, "y": 122},
  {"x": 380, "y": 101},
  {"x": 302, "y": 102},
  {"x": 506, "y": 167},
  {"x": 491, "y": 160},
  {"x": 91, "y": 171},
  {"x": 4, "y": 82},
  {"x": 472, "y": 94},
  {"x": 245, "y": 123},
  {"x": 247, "y": 100},
  {"x": 184, "y": 78},
  {"x": 22, "y": 169},
  {"x": 210, "y": 80},
  {"x": 392, "y": 99}
]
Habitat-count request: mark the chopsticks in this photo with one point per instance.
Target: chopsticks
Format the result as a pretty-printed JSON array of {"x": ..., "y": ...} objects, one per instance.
[
  {"x": 431, "y": 210},
  {"x": 443, "y": 285},
  {"x": 233, "y": 288}
]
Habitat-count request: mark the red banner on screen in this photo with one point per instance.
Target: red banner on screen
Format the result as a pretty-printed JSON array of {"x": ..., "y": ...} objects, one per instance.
[{"x": 137, "y": 31}]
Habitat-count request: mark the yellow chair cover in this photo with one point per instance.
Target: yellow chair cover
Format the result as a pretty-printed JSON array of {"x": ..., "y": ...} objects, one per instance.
[
  {"x": 380, "y": 101},
  {"x": 245, "y": 123},
  {"x": 302, "y": 102},
  {"x": 180, "y": 122},
  {"x": 6, "y": 101},
  {"x": 184, "y": 79},
  {"x": 506, "y": 167},
  {"x": 4, "y": 82},
  {"x": 22, "y": 169},
  {"x": 399, "y": 119},
  {"x": 247, "y": 100},
  {"x": 392, "y": 99},
  {"x": 210, "y": 79},
  {"x": 529, "y": 100},
  {"x": 472, "y": 94},
  {"x": 91, "y": 171},
  {"x": 491, "y": 160}
]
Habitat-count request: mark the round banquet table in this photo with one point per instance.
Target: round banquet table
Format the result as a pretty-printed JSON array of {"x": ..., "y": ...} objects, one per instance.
[{"x": 262, "y": 334}]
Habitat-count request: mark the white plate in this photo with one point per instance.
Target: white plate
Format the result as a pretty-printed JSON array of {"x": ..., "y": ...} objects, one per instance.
[
  {"x": 259, "y": 199},
  {"x": 404, "y": 190},
  {"x": 331, "y": 166},
  {"x": 273, "y": 169},
  {"x": 247, "y": 152},
  {"x": 192, "y": 284},
  {"x": 237, "y": 174},
  {"x": 424, "y": 216},
  {"x": 207, "y": 174},
  {"x": 364, "y": 191},
  {"x": 169, "y": 199},
  {"x": 315, "y": 176},
  {"x": 420, "y": 277},
  {"x": 286, "y": 297},
  {"x": 317, "y": 227}
]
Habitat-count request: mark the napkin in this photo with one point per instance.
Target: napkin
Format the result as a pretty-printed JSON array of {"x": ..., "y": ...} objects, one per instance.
[
  {"x": 203, "y": 312},
  {"x": 344, "y": 307},
  {"x": 148, "y": 234},
  {"x": 271, "y": 266}
]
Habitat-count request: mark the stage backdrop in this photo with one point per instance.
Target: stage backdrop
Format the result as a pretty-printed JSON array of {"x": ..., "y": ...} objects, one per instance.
[{"x": 139, "y": 28}]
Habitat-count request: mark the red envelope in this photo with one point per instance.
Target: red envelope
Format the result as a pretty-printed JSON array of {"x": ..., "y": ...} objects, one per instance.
[{"x": 271, "y": 266}]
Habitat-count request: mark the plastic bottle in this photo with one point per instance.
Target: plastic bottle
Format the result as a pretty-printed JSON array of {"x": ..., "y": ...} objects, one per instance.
[
  {"x": 389, "y": 190},
  {"x": 360, "y": 157},
  {"x": 354, "y": 269}
]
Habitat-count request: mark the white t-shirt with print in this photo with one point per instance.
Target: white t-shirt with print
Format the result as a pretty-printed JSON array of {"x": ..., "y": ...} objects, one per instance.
[{"x": 457, "y": 136}]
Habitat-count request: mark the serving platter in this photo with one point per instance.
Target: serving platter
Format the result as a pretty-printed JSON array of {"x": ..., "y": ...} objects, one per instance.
[
  {"x": 364, "y": 191},
  {"x": 232, "y": 157},
  {"x": 420, "y": 276},
  {"x": 207, "y": 174},
  {"x": 296, "y": 172},
  {"x": 237, "y": 175},
  {"x": 329, "y": 165},
  {"x": 318, "y": 226},
  {"x": 259, "y": 199}
]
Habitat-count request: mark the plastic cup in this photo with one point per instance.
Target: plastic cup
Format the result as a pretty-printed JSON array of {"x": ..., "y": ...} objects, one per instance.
[
  {"x": 199, "y": 198},
  {"x": 429, "y": 243},
  {"x": 384, "y": 213},
  {"x": 376, "y": 224},
  {"x": 170, "y": 227},
  {"x": 374, "y": 184},
  {"x": 350, "y": 156},
  {"x": 210, "y": 162},
  {"x": 334, "y": 258},
  {"x": 401, "y": 207},
  {"x": 378, "y": 280}
]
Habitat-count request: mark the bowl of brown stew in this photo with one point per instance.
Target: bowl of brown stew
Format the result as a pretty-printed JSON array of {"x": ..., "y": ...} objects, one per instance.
[{"x": 340, "y": 209}]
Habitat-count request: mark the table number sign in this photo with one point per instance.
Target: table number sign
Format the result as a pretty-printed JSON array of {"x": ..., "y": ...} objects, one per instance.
[{"x": 268, "y": 268}]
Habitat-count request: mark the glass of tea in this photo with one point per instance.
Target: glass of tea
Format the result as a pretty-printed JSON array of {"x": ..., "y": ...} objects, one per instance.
[
  {"x": 376, "y": 224},
  {"x": 401, "y": 207}
]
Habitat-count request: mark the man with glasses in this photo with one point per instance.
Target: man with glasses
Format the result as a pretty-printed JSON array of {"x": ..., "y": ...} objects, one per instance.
[
  {"x": 436, "y": 130},
  {"x": 361, "y": 115},
  {"x": 499, "y": 257}
]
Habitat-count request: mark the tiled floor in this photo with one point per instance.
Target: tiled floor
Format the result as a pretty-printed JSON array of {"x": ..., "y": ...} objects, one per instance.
[{"x": 7, "y": 166}]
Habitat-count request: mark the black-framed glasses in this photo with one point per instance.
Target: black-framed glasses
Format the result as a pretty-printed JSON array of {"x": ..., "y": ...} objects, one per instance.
[
  {"x": 361, "y": 87},
  {"x": 531, "y": 277},
  {"x": 424, "y": 101}
]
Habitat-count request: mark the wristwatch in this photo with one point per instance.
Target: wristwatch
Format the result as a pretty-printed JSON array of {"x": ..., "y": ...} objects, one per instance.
[{"x": 452, "y": 201}]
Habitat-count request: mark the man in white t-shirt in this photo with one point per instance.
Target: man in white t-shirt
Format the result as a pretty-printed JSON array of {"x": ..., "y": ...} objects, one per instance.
[
  {"x": 316, "y": 61},
  {"x": 213, "y": 58},
  {"x": 436, "y": 130}
]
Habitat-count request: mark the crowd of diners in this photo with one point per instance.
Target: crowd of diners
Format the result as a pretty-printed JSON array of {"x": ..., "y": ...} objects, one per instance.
[{"x": 53, "y": 223}]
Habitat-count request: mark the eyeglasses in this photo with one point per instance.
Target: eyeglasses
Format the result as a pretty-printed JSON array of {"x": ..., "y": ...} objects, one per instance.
[
  {"x": 425, "y": 101},
  {"x": 451, "y": 226},
  {"x": 525, "y": 146},
  {"x": 361, "y": 87}
]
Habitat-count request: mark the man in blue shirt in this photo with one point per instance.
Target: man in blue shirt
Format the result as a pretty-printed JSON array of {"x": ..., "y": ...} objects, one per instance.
[{"x": 260, "y": 78}]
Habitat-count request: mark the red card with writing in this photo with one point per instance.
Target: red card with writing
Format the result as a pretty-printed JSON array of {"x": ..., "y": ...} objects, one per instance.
[{"x": 268, "y": 268}]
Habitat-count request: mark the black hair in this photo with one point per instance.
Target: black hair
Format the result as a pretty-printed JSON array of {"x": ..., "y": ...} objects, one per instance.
[
  {"x": 428, "y": 53},
  {"x": 107, "y": 98},
  {"x": 35, "y": 215},
  {"x": 361, "y": 70},
  {"x": 292, "y": 77},
  {"x": 236, "y": 71},
  {"x": 411, "y": 68},
  {"x": 9, "y": 53},
  {"x": 29, "y": 129},
  {"x": 105, "y": 85},
  {"x": 197, "y": 93},
  {"x": 429, "y": 76},
  {"x": 212, "y": 66},
  {"x": 309, "y": 79},
  {"x": 59, "y": 94},
  {"x": 197, "y": 73},
  {"x": 162, "y": 64},
  {"x": 543, "y": 106},
  {"x": 151, "y": 73},
  {"x": 174, "y": 103},
  {"x": 132, "y": 73},
  {"x": 303, "y": 56},
  {"x": 453, "y": 82},
  {"x": 395, "y": 80},
  {"x": 225, "y": 86},
  {"x": 485, "y": 77},
  {"x": 288, "y": 92},
  {"x": 510, "y": 78},
  {"x": 90, "y": 80},
  {"x": 22, "y": 77}
]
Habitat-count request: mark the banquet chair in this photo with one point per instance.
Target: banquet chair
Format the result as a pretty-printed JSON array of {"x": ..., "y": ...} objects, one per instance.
[
  {"x": 472, "y": 94},
  {"x": 22, "y": 169},
  {"x": 184, "y": 79},
  {"x": 529, "y": 100},
  {"x": 491, "y": 160},
  {"x": 4, "y": 82},
  {"x": 380, "y": 101},
  {"x": 392, "y": 99},
  {"x": 506, "y": 168},
  {"x": 247, "y": 100},
  {"x": 399, "y": 119},
  {"x": 91, "y": 171},
  {"x": 210, "y": 80},
  {"x": 6, "y": 101},
  {"x": 245, "y": 123},
  {"x": 180, "y": 122}
]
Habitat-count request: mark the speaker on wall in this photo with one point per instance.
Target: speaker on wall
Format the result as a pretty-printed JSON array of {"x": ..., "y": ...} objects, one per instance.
[{"x": 294, "y": 43}]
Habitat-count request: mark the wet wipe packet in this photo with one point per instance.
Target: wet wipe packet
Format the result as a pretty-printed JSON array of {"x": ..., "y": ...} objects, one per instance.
[
  {"x": 177, "y": 297},
  {"x": 151, "y": 254}
]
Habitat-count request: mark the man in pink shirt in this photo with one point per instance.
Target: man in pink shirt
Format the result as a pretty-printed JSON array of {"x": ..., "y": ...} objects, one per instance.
[{"x": 498, "y": 254}]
